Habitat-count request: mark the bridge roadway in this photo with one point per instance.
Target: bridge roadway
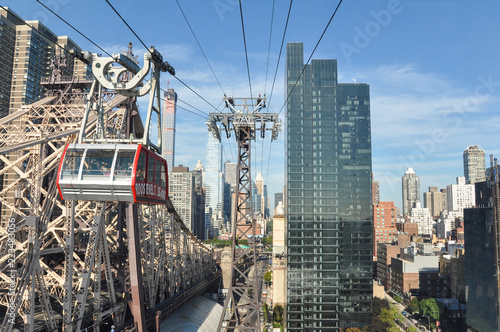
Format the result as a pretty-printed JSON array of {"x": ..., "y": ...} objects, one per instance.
[{"x": 162, "y": 311}]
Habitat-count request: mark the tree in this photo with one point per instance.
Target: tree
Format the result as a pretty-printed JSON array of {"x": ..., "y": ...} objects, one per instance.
[
  {"x": 429, "y": 307},
  {"x": 354, "y": 329},
  {"x": 265, "y": 309},
  {"x": 278, "y": 313},
  {"x": 268, "y": 276},
  {"x": 378, "y": 304},
  {"x": 413, "y": 306}
]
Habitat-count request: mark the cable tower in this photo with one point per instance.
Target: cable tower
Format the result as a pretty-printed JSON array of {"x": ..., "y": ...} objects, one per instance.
[{"x": 241, "y": 307}]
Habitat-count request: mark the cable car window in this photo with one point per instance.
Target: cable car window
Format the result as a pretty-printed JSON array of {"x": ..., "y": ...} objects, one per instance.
[
  {"x": 124, "y": 164},
  {"x": 141, "y": 167},
  {"x": 97, "y": 165},
  {"x": 158, "y": 172},
  {"x": 71, "y": 165},
  {"x": 151, "y": 169},
  {"x": 163, "y": 176}
]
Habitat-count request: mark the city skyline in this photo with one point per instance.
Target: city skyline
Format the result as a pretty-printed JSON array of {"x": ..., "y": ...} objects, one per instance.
[{"x": 433, "y": 85}]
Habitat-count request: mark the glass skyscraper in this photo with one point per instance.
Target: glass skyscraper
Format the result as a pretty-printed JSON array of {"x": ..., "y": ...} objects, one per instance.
[
  {"x": 213, "y": 183},
  {"x": 329, "y": 198}
]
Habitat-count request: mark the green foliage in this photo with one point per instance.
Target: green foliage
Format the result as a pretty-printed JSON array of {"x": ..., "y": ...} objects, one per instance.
[
  {"x": 430, "y": 308},
  {"x": 265, "y": 309},
  {"x": 268, "y": 276},
  {"x": 218, "y": 243},
  {"x": 378, "y": 304},
  {"x": 354, "y": 329},
  {"x": 278, "y": 314},
  {"x": 267, "y": 240},
  {"x": 270, "y": 226},
  {"x": 413, "y": 306},
  {"x": 398, "y": 299}
]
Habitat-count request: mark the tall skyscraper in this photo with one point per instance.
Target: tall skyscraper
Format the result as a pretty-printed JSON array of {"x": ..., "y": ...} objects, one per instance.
[
  {"x": 329, "y": 198},
  {"x": 199, "y": 201},
  {"x": 278, "y": 197},
  {"x": 481, "y": 263},
  {"x": 28, "y": 52},
  {"x": 181, "y": 192},
  {"x": 213, "y": 183},
  {"x": 474, "y": 166},
  {"x": 168, "y": 138},
  {"x": 411, "y": 190}
]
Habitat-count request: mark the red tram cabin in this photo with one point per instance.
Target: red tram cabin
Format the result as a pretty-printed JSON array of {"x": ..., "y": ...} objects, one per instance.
[{"x": 112, "y": 173}]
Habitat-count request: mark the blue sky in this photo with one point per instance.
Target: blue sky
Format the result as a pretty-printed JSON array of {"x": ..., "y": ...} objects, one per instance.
[{"x": 432, "y": 66}]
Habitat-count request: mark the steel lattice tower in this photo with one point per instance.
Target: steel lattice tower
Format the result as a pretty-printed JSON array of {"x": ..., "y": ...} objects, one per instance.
[{"x": 241, "y": 307}]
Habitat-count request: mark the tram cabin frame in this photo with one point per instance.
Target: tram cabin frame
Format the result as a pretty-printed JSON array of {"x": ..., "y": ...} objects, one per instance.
[{"x": 112, "y": 173}]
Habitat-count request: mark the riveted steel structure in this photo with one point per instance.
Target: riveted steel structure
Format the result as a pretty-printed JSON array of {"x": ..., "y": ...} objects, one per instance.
[
  {"x": 74, "y": 265},
  {"x": 241, "y": 307}
]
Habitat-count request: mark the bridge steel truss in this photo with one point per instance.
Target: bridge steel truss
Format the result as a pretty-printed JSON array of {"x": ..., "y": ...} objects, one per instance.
[
  {"x": 70, "y": 265},
  {"x": 241, "y": 307}
]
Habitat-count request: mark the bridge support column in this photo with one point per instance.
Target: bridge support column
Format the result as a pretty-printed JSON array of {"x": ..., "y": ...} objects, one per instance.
[{"x": 136, "y": 285}]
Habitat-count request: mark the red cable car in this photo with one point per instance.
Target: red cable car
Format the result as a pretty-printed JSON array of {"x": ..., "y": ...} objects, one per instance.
[{"x": 112, "y": 173}]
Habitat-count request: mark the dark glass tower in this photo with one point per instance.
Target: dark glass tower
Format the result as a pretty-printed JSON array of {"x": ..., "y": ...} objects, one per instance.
[{"x": 329, "y": 198}]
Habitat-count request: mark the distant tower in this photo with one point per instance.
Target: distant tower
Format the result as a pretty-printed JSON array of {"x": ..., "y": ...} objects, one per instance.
[
  {"x": 168, "y": 142},
  {"x": 213, "y": 183},
  {"x": 411, "y": 190},
  {"x": 474, "y": 167}
]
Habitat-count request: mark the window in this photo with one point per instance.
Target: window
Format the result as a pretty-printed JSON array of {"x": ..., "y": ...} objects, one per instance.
[
  {"x": 151, "y": 169},
  {"x": 158, "y": 173},
  {"x": 71, "y": 164},
  {"x": 141, "y": 166}
]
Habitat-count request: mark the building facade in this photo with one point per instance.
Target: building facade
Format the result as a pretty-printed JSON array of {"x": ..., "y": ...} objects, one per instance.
[
  {"x": 384, "y": 224},
  {"x": 435, "y": 201},
  {"x": 460, "y": 196},
  {"x": 181, "y": 191},
  {"x": 411, "y": 190},
  {"x": 474, "y": 164},
  {"x": 422, "y": 217},
  {"x": 481, "y": 265},
  {"x": 328, "y": 198},
  {"x": 213, "y": 185}
]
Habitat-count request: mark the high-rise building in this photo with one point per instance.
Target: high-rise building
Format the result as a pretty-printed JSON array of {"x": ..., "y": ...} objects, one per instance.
[
  {"x": 422, "y": 217},
  {"x": 329, "y": 198},
  {"x": 262, "y": 191},
  {"x": 181, "y": 191},
  {"x": 474, "y": 166},
  {"x": 460, "y": 195},
  {"x": 29, "y": 51},
  {"x": 435, "y": 201},
  {"x": 188, "y": 197},
  {"x": 199, "y": 201},
  {"x": 481, "y": 264},
  {"x": 384, "y": 224},
  {"x": 230, "y": 188},
  {"x": 278, "y": 197},
  {"x": 411, "y": 190},
  {"x": 213, "y": 184},
  {"x": 168, "y": 138}
]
